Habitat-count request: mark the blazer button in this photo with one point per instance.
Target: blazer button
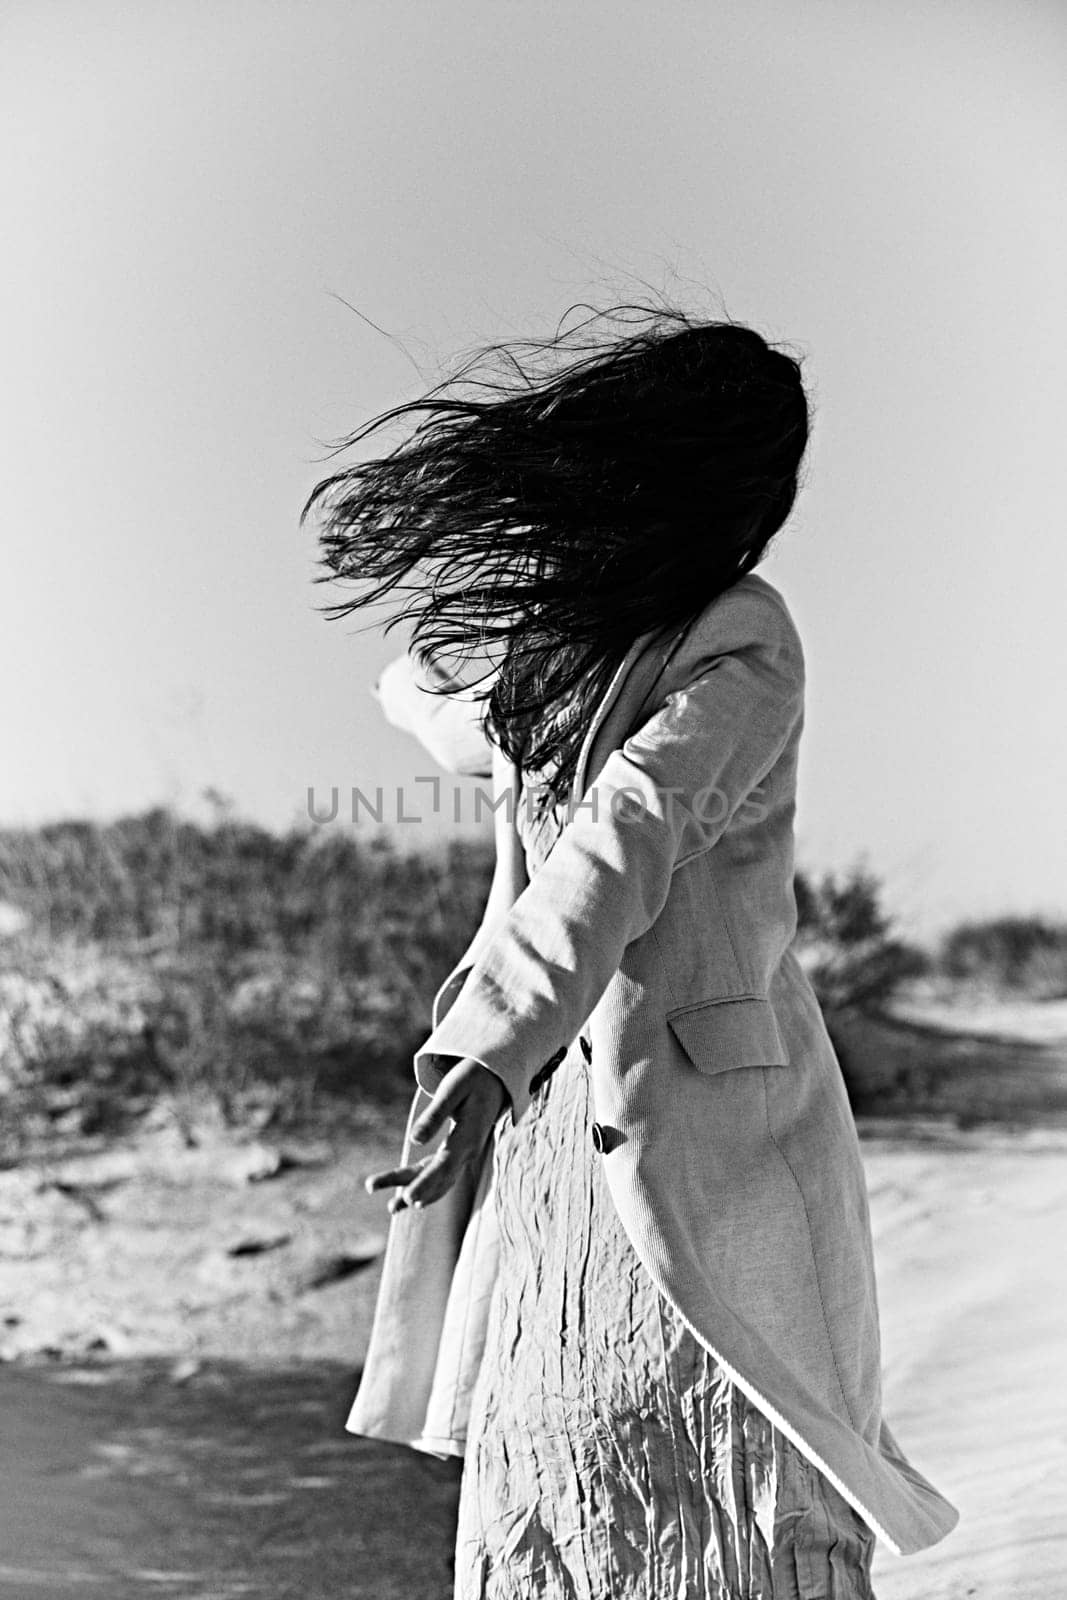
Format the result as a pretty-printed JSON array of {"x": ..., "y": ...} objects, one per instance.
[
  {"x": 547, "y": 1070},
  {"x": 605, "y": 1137}
]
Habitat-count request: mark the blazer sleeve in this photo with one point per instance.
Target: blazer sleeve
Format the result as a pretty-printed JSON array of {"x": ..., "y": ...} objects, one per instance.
[
  {"x": 508, "y": 880},
  {"x": 449, "y": 726},
  {"x": 665, "y": 796}
]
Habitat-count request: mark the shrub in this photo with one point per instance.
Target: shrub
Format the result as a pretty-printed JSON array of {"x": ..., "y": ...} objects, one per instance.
[
  {"x": 152, "y": 955},
  {"x": 1021, "y": 955},
  {"x": 846, "y": 942}
]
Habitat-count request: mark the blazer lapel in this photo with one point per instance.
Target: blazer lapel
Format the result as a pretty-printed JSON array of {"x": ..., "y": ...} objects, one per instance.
[{"x": 637, "y": 672}]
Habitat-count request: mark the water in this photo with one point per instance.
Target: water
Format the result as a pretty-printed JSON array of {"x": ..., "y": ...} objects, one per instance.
[{"x": 117, "y": 1481}]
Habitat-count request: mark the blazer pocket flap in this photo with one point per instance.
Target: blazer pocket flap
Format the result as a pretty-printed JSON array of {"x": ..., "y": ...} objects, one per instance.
[{"x": 720, "y": 1034}]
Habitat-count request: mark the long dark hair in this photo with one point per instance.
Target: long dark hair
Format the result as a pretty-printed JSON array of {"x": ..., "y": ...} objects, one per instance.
[{"x": 593, "y": 487}]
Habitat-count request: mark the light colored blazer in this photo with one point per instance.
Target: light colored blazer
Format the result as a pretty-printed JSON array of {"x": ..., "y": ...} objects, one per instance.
[{"x": 661, "y": 925}]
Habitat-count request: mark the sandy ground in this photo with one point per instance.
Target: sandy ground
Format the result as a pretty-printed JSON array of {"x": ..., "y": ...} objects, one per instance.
[
  {"x": 243, "y": 1250},
  {"x": 259, "y": 1252},
  {"x": 969, "y": 1234},
  {"x": 236, "y": 1484}
]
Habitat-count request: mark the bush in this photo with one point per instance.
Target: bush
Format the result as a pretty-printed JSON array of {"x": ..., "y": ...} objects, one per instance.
[
  {"x": 154, "y": 956},
  {"x": 1015, "y": 955},
  {"x": 846, "y": 942}
]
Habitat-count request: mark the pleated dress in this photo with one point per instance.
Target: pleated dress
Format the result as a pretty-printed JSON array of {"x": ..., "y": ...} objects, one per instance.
[{"x": 608, "y": 1456}]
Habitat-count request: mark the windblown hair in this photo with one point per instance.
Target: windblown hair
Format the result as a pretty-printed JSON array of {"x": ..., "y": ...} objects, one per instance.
[{"x": 597, "y": 488}]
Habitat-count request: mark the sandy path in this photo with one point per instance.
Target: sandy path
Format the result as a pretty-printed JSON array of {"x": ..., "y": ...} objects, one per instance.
[
  {"x": 118, "y": 1484},
  {"x": 971, "y": 1241}
]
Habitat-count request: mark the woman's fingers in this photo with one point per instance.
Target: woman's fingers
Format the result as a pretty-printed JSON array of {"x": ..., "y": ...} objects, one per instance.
[
  {"x": 448, "y": 1096},
  {"x": 433, "y": 1181},
  {"x": 467, "y": 1078},
  {"x": 395, "y": 1177},
  {"x": 434, "y": 1177},
  {"x": 471, "y": 1097},
  {"x": 423, "y": 1183},
  {"x": 462, "y": 1147}
]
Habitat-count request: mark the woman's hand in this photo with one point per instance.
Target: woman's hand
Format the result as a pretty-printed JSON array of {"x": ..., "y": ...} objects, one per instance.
[{"x": 473, "y": 1097}]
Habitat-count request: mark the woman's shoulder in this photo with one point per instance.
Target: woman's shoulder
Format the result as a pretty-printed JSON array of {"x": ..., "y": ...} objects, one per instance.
[{"x": 751, "y": 612}]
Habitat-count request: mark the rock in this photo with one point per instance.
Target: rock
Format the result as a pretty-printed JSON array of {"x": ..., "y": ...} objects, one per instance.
[
  {"x": 335, "y": 1265},
  {"x": 107, "y": 1339},
  {"x": 215, "y": 1270},
  {"x": 251, "y": 1163},
  {"x": 13, "y": 920},
  {"x": 80, "y": 1194},
  {"x": 257, "y": 1244},
  {"x": 289, "y": 1160},
  {"x": 185, "y": 1369}
]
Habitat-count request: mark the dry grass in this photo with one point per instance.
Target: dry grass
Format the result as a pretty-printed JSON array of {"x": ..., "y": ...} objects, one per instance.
[
  {"x": 276, "y": 976},
  {"x": 285, "y": 977}
]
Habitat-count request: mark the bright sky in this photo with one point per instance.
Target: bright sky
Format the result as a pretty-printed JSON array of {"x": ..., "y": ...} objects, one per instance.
[{"x": 187, "y": 189}]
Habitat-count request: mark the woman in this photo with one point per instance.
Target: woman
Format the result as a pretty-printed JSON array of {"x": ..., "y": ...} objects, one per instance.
[{"x": 633, "y": 1283}]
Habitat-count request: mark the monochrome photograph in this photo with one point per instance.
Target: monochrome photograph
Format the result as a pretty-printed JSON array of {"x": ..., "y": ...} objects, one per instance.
[{"x": 533, "y": 885}]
